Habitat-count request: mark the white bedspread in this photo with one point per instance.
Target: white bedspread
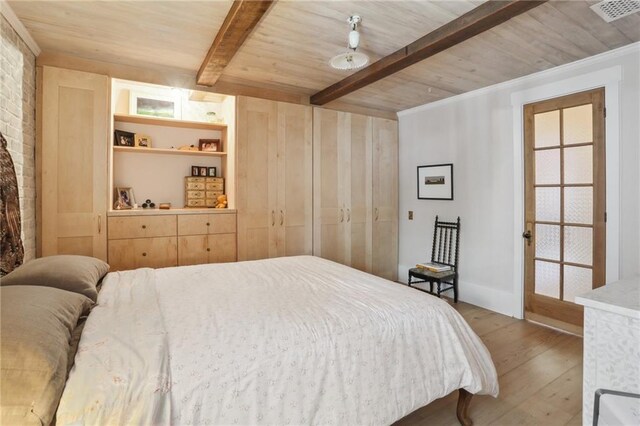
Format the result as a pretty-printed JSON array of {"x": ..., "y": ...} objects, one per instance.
[{"x": 298, "y": 340}]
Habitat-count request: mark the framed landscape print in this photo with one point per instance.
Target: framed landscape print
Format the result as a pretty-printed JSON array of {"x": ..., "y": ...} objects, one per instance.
[
  {"x": 154, "y": 105},
  {"x": 435, "y": 182}
]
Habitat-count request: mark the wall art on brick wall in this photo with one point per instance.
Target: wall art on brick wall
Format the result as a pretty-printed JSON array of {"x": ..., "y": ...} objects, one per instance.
[{"x": 10, "y": 222}]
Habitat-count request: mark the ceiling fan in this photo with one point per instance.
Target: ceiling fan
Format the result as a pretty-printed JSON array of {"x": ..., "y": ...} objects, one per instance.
[{"x": 351, "y": 60}]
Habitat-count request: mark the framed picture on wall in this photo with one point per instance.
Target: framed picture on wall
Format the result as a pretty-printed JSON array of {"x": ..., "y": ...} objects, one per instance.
[
  {"x": 435, "y": 182},
  {"x": 154, "y": 105}
]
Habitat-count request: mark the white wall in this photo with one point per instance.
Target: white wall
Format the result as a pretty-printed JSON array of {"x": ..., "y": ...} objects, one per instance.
[{"x": 480, "y": 133}]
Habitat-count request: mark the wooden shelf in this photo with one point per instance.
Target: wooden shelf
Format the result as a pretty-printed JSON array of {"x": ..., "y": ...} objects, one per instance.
[
  {"x": 168, "y": 122},
  {"x": 167, "y": 151}
]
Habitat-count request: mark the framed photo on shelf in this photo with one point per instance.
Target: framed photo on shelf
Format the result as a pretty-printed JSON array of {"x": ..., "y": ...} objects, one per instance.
[
  {"x": 122, "y": 138},
  {"x": 211, "y": 172},
  {"x": 209, "y": 145},
  {"x": 154, "y": 105},
  {"x": 435, "y": 182},
  {"x": 195, "y": 170},
  {"x": 142, "y": 141},
  {"x": 203, "y": 171},
  {"x": 123, "y": 198}
]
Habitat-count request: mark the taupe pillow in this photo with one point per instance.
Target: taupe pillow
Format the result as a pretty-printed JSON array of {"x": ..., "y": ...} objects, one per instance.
[
  {"x": 79, "y": 274},
  {"x": 36, "y": 326}
]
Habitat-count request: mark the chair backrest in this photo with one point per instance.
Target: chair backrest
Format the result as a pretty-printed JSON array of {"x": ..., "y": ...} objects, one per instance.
[{"x": 446, "y": 239}]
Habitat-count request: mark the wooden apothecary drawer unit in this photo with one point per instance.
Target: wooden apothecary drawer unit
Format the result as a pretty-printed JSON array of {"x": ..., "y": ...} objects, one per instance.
[{"x": 206, "y": 238}]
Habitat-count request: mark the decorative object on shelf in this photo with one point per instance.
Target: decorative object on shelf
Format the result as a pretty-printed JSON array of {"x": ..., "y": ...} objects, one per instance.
[
  {"x": 435, "y": 182},
  {"x": 211, "y": 172},
  {"x": 209, "y": 145},
  {"x": 221, "y": 202},
  {"x": 165, "y": 206},
  {"x": 188, "y": 148},
  {"x": 202, "y": 191},
  {"x": 123, "y": 198},
  {"x": 203, "y": 171},
  {"x": 122, "y": 138},
  {"x": 142, "y": 141},
  {"x": 148, "y": 204},
  {"x": 195, "y": 170},
  {"x": 153, "y": 105}
]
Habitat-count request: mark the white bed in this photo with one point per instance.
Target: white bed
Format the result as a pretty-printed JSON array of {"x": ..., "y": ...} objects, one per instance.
[{"x": 297, "y": 340}]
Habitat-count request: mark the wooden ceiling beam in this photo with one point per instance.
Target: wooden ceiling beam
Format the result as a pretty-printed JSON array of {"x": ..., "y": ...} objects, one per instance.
[
  {"x": 242, "y": 18},
  {"x": 472, "y": 23}
]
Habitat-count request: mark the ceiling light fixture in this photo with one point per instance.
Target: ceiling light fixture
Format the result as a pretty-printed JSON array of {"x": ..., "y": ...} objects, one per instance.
[{"x": 351, "y": 60}]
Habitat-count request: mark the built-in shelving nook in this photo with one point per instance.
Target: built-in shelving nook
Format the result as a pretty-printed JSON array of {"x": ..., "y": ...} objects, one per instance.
[{"x": 171, "y": 122}]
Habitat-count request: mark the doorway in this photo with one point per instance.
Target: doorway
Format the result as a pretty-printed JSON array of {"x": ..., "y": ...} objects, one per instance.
[{"x": 565, "y": 217}]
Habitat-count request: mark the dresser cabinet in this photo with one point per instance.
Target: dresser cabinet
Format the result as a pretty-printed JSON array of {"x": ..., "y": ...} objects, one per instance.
[
  {"x": 71, "y": 163},
  {"x": 274, "y": 179},
  {"x": 163, "y": 240},
  {"x": 206, "y": 238},
  {"x": 356, "y": 191}
]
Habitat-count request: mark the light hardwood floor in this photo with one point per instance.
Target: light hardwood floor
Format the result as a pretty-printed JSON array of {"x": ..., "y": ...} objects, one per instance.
[{"x": 539, "y": 371}]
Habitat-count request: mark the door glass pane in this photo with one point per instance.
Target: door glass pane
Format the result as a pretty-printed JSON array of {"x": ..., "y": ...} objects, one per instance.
[
  {"x": 576, "y": 281},
  {"x": 548, "y": 204},
  {"x": 577, "y": 124},
  {"x": 578, "y": 245},
  {"x": 548, "y": 166},
  {"x": 548, "y": 241},
  {"x": 548, "y": 279},
  {"x": 578, "y": 165},
  {"x": 547, "y": 129},
  {"x": 578, "y": 205}
]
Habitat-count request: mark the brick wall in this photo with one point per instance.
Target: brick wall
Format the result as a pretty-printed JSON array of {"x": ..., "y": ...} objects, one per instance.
[{"x": 18, "y": 124}]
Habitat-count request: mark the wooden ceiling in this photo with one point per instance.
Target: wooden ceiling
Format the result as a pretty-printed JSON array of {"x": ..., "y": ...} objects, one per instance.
[{"x": 290, "y": 47}]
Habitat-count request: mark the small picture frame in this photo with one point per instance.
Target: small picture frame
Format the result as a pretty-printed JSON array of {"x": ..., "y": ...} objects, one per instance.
[
  {"x": 142, "y": 141},
  {"x": 211, "y": 172},
  {"x": 122, "y": 138},
  {"x": 209, "y": 145},
  {"x": 195, "y": 171},
  {"x": 123, "y": 198},
  {"x": 203, "y": 171},
  {"x": 154, "y": 105},
  {"x": 435, "y": 182}
]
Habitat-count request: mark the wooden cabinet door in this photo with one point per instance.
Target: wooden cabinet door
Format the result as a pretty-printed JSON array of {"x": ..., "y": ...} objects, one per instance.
[
  {"x": 72, "y": 158},
  {"x": 193, "y": 224},
  {"x": 222, "y": 223},
  {"x": 143, "y": 252},
  {"x": 222, "y": 248},
  {"x": 193, "y": 250},
  {"x": 329, "y": 134},
  {"x": 385, "y": 199},
  {"x": 295, "y": 188},
  {"x": 256, "y": 175},
  {"x": 358, "y": 194}
]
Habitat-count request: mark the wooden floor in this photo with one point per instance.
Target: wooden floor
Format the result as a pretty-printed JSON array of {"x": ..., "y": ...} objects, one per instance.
[{"x": 539, "y": 371}]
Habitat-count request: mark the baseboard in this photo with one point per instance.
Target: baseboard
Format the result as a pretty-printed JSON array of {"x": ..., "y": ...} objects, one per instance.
[{"x": 484, "y": 297}]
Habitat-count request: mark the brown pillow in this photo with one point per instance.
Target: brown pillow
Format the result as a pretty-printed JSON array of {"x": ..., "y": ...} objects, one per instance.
[
  {"x": 36, "y": 324},
  {"x": 79, "y": 274}
]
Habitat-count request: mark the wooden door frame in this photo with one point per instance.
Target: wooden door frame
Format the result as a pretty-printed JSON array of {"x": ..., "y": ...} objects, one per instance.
[{"x": 512, "y": 303}]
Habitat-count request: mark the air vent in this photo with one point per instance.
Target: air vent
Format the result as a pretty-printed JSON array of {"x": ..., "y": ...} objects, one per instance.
[{"x": 610, "y": 10}]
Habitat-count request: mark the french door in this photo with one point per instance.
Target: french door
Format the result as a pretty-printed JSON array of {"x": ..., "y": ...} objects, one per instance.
[{"x": 564, "y": 205}]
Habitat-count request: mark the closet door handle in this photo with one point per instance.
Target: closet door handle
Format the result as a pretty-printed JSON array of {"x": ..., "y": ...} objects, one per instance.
[
  {"x": 99, "y": 224},
  {"x": 341, "y": 215},
  {"x": 281, "y": 217},
  {"x": 273, "y": 218},
  {"x": 376, "y": 213},
  {"x": 348, "y": 215}
]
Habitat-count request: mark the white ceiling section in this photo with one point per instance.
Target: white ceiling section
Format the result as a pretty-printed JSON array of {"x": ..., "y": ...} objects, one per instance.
[{"x": 291, "y": 47}]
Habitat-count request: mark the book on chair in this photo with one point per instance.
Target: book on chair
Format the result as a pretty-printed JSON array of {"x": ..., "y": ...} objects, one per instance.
[{"x": 433, "y": 267}]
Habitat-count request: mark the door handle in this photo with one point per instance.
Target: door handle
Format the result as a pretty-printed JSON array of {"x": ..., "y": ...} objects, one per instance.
[
  {"x": 528, "y": 236},
  {"x": 376, "y": 212},
  {"x": 273, "y": 218},
  {"x": 281, "y": 217},
  {"x": 348, "y": 215},
  {"x": 341, "y": 215},
  {"x": 99, "y": 224}
]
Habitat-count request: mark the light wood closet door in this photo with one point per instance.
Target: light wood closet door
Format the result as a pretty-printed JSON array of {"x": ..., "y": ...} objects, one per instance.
[
  {"x": 257, "y": 177},
  {"x": 73, "y": 163},
  {"x": 295, "y": 187},
  {"x": 385, "y": 198},
  {"x": 330, "y": 130}
]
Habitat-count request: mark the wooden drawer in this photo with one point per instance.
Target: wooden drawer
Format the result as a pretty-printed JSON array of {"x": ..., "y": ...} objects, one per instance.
[
  {"x": 192, "y": 250},
  {"x": 193, "y": 179},
  {"x": 195, "y": 202},
  {"x": 214, "y": 186},
  {"x": 143, "y": 252},
  {"x": 141, "y": 226},
  {"x": 195, "y": 186},
  {"x": 201, "y": 224},
  {"x": 218, "y": 180},
  {"x": 195, "y": 194}
]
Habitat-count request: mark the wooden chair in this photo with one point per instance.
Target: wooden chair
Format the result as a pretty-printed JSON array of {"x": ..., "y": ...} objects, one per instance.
[{"x": 446, "y": 239}]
